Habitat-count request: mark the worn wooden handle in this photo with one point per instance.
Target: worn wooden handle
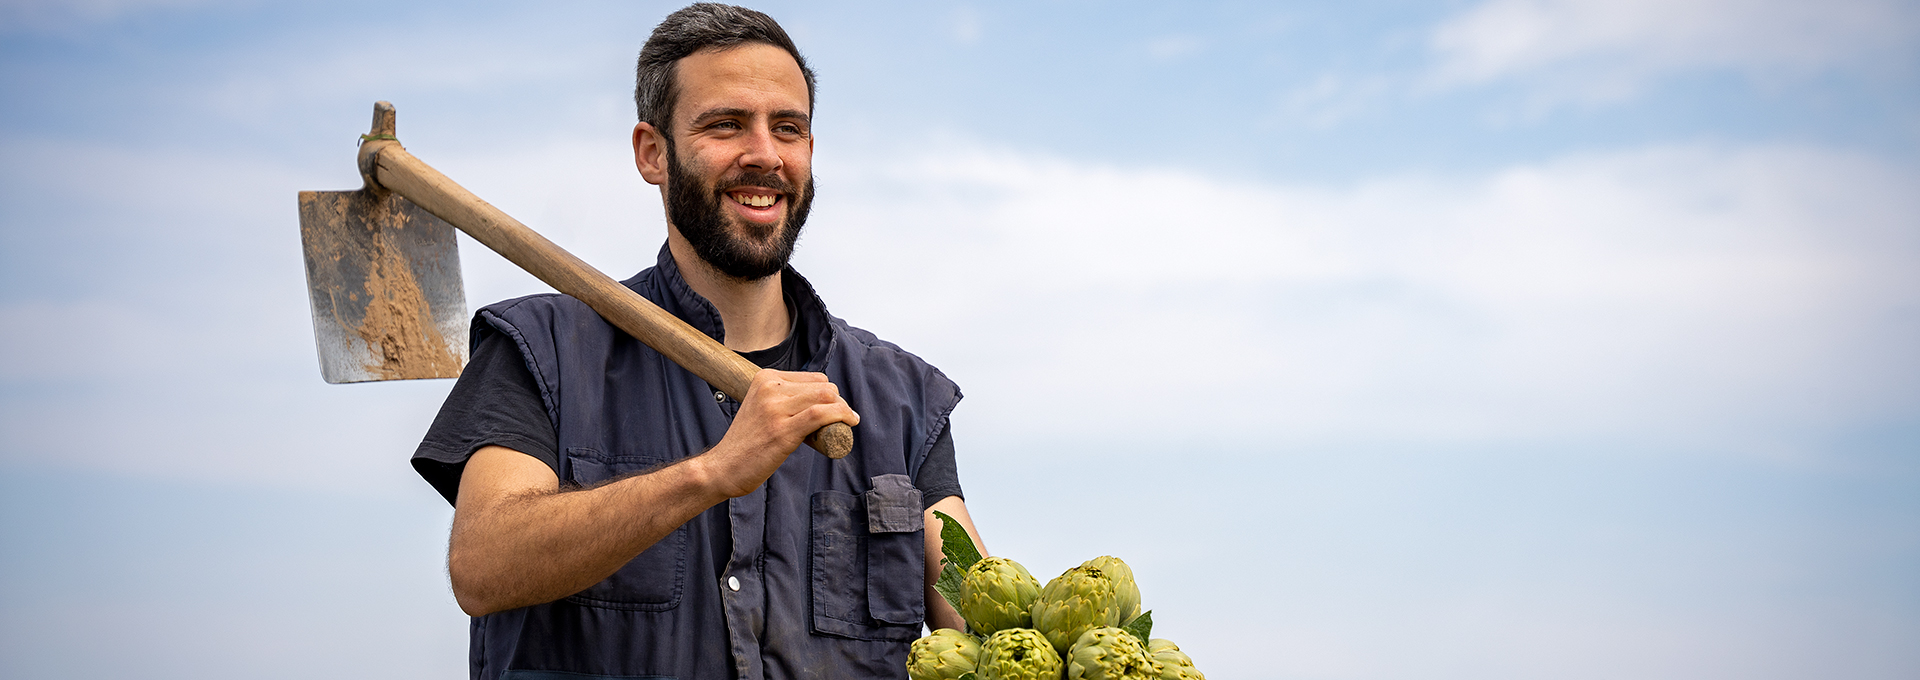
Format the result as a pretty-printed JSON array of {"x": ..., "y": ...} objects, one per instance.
[{"x": 386, "y": 164}]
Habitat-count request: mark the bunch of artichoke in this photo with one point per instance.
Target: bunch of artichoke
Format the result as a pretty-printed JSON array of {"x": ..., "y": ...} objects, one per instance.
[
  {"x": 1109, "y": 654},
  {"x": 1173, "y": 663},
  {"x": 1018, "y": 654},
  {"x": 997, "y": 593},
  {"x": 1085, "y": 625},
  {"x": 1084, "y": 598},
  {"x": 947, "y": 654}
]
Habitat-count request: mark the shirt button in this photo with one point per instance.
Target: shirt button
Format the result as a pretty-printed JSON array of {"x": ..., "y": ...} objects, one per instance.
[
  {"x": 719, "y": 397},
  {"x": 733, "y": 583}
]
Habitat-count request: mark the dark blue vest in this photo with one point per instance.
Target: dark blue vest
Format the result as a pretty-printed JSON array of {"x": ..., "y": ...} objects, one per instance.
[{"x": 828, "y": 554}]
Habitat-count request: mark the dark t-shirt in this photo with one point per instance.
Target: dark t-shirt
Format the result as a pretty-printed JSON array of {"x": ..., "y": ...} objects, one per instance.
[{"x": 496, "y": 403}]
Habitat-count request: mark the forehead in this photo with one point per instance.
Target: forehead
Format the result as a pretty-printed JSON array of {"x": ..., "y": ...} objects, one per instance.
[{"x": 754, "y": 76}]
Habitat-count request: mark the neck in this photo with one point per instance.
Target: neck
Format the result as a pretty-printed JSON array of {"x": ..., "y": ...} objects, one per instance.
[{"x": 754, "y": 312}]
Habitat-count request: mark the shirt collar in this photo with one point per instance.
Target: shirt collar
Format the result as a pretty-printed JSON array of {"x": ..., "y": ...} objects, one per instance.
[{"x": 667, "y": 287}]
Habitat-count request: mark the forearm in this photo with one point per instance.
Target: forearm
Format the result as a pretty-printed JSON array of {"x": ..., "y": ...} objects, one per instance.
[{"x": 539, "y": 545}]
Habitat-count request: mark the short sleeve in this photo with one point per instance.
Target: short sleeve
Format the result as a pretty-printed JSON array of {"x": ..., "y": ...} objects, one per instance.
[
  {"x": 938, "y": 477},
  {"x": 495, "y": 402}
]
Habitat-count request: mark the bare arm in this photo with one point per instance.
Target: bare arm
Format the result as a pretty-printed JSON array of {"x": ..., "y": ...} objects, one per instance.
[
  {"x": 519, "y": 540},
  {"x": 939, "y": 613}
]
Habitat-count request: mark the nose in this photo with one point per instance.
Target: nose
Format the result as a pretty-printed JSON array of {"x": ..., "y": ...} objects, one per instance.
[{"x": 761, "y": 153}]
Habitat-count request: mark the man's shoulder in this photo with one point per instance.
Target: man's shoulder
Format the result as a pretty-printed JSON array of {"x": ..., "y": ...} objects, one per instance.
[
  {"x": 863, "y": 339},
  {"x": 545, "y": 320},
  {"x": 549, "y": 308},
  {"x": 532, "y": 304},
  {"x": 541, "y": 309},
  {"x": 872, "y": 350}
]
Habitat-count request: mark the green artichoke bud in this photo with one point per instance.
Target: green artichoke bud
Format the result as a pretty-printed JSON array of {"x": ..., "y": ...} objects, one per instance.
[
  {"x": 1018, "y": 654},
  {"x": 996, "y": 594},
  {"x": 1173, "y": 663},
  {"x": 1109, "y": 654},
  {"x": 944, "y": 655},
  {"x": 1083, "y": 598},
  {"x": 1122, "y": 576}
]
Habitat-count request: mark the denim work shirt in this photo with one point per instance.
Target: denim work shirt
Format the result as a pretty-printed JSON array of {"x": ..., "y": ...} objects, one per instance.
[{"x": 826, "y": 576}]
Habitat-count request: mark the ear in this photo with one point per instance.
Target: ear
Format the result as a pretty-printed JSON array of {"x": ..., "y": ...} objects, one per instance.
[{"x": 650, "y": 154}]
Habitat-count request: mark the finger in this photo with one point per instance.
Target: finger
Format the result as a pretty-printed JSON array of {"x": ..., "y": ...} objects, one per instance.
[
  {"x": 813, "y": 391},
  {"x": 824, "y": 391},
  {"x": 792, "y": 402},
  {"x": 820, "y": 415},
  {"x": 790, "y": 376}
]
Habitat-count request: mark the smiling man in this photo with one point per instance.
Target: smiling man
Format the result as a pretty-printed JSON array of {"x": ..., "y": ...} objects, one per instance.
[{"x": 614, "y": 515}]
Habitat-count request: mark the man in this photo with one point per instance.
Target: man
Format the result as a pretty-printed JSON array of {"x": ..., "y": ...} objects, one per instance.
[{"x": 616, "y": 516}]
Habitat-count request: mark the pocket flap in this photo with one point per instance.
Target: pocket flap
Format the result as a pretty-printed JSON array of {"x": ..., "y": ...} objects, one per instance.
[
  {"x": 893, "y": 505},
  {"x": 588, "y": 466}
]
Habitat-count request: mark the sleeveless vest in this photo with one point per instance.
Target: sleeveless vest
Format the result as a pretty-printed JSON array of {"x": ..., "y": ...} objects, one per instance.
[{"x": 826, "y": 574}]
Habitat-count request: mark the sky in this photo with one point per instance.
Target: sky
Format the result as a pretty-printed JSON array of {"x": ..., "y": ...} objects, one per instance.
[{"x": 1386, "y": 340}]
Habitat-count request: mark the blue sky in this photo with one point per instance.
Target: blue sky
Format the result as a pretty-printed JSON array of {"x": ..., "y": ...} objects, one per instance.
[{"x": 1505, "y": 339}]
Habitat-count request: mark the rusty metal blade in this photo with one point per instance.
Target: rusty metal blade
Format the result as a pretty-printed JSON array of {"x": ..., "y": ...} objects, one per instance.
[{"x": 384, "y": 279}]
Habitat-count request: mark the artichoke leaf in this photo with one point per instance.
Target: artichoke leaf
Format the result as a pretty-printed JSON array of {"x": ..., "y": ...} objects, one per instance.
[
  {"x": 948, "y": 585},
  {"x": 1141, "y": 627},
  {"x": 958, "y": 553},
  {"x": 955, "y": 544},
  {"x": 969, "y": 675}
]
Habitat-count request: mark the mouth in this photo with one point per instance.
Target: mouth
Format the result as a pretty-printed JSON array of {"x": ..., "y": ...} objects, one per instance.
[
  {"x": 754, "y": 200},
  {"x": 759, "y": 206}
]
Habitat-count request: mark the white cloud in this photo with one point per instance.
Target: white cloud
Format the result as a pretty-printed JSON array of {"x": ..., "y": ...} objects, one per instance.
[
  {"x": 1608, "y": 49},
  {"x": 1682, "y": 295},
  {"x": 1687, "y": 297}
]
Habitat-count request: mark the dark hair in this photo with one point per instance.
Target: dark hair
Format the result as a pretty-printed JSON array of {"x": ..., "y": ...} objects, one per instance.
[{"x": 697, "y": 27}]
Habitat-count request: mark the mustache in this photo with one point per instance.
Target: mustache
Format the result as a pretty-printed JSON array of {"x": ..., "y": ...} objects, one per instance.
[{"x": 759, "y": 180}]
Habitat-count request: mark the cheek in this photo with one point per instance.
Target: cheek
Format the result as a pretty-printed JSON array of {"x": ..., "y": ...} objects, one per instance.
[
  {"x": 797, "y": 160},
  {"x": 694, "y": 161}
]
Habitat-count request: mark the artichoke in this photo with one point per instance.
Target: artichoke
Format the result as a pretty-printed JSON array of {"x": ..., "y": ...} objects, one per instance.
[
  {"x": 995, "y": 594},
  {"x": 944, "y": 655},
  {"x": 1109, "y": 654},
  {"x": 1018, "y": 654},
  {"x": 1122, "y": 576},
  {"x": 1082, "y": 599},
  {"x": 1173, "y": 663}
]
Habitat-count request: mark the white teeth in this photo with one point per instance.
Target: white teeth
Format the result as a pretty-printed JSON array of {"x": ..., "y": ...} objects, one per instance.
[{"x": 755, "y": 201}]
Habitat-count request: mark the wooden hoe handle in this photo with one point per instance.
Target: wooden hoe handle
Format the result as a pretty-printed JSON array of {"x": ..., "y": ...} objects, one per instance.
[{"x": 384, "y": 163}]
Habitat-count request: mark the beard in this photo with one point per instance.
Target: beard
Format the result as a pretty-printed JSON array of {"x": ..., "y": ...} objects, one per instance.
[{"x": 734, "y": 247}]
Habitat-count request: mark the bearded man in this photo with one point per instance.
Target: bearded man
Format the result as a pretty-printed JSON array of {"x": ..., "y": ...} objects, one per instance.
[{"x": 616, "y": 516}]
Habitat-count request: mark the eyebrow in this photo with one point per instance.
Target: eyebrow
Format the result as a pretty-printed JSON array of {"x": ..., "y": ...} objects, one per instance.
[{"x": 787, "y": 114}]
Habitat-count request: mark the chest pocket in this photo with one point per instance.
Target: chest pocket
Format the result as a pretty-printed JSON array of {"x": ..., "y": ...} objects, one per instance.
[
  {"x": 654, "y": 580},
  {"x": 868, "y": 562}
]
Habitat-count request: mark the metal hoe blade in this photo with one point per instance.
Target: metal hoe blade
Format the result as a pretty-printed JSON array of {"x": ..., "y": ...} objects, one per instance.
[{"x": 384, "y": 278}]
